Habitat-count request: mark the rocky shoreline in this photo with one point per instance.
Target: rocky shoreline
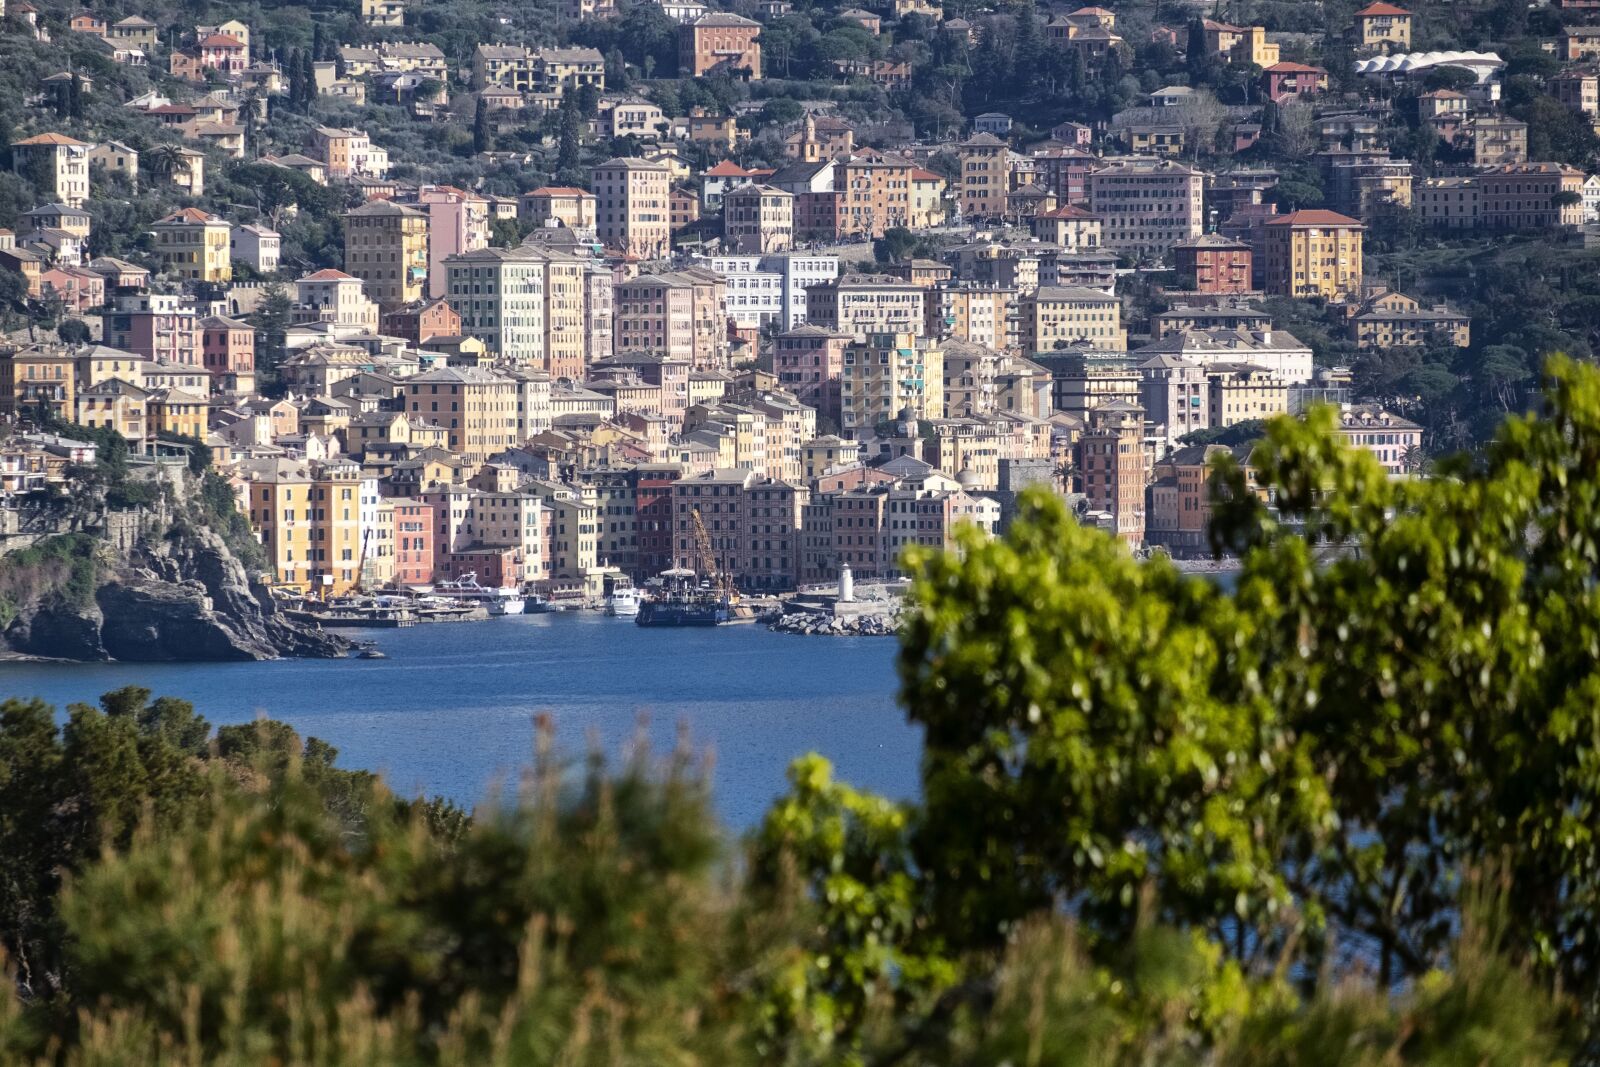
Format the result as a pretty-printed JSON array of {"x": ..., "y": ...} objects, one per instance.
[
  {"x": 813, "y": 624},
  {"x": 183, "y": 598},
  {"x": 84, "y": 582}
]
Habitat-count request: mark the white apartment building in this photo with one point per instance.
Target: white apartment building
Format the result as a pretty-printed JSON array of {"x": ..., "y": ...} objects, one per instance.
[{"x": 754, "y": 295}]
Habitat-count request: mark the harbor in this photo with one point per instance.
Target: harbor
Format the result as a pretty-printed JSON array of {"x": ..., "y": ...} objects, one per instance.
[{"x": 450, "y": 710}]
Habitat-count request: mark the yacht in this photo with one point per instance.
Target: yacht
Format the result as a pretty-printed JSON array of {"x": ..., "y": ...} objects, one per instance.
[
  {"x": 502, "y": 600},
  {"x": 623, "y": 602}
]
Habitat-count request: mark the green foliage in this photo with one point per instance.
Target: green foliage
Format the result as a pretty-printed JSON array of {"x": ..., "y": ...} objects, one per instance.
[
  {"x": 215, "y": 507},
  {"x": 68, "y": 792},
  {"x": 1240, "y": 433},
  {"x": 1310, "y": 768},
  {"x": 61, "y": 569}
]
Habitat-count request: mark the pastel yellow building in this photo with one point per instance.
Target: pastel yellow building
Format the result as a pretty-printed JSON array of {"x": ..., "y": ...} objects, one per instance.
[
  {"x": 386, "y": 246},
  {"x": 194, "y": 245},
  {"x": 1056, "y": 316},
  {"x": 887, "y": 375},
  {"x": 1313, "y": 253},
  {"x": 176, "y": 412},
  {"x": 308, "y": 517},
  {"x": 1240, "y": 392}
]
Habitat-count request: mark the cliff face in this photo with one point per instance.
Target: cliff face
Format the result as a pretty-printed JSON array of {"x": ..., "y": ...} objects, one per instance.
[{"x": 182, "y": 597}]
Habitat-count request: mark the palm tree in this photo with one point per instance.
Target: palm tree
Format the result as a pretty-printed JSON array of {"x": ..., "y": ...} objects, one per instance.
[{"x": 166, "y": 160}]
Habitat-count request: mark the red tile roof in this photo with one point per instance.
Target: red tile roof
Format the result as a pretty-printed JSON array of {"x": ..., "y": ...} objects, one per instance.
[
  {"x": 190, "y": 214},
  {"x": 1313, "y": 217},
  {"x": 328, "y": 275},
  {"x": 1294, "y": 68},
  {"x": 727, "y": 169},
  {"x": 1381, "y": 8},
  {"x": 52, "y": 138}
]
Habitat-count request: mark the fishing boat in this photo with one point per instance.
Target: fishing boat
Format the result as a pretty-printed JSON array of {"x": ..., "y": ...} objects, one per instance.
[
  {"x": 679, "y": 599},
  {"x": 500, "y": 600},
  {"x": 537, "y": 605},
  {"x": 623, "y": 602}
]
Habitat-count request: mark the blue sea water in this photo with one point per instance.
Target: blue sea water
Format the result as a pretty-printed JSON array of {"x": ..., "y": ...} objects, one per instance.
[{"x": 451, "y": 711}]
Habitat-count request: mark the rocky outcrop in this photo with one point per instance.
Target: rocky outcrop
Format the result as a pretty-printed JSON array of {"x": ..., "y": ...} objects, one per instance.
[
  {"x": 185, "y": 597},
  {"x": 805, "y": 622}
]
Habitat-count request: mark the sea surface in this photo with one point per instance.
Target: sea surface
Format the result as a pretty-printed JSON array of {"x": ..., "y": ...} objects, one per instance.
[{"x": 451, "y": 711}]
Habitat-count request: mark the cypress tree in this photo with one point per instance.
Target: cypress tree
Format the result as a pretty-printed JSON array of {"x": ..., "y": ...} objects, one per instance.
[
  {"x": 308, "y": 76},
  {"x": 482, "y": 137}
]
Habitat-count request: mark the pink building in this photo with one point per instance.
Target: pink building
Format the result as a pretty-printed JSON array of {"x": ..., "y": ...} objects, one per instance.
[
  {"x": 155, "y": 326},
  {"x": 79, "y": 289},
  {"x": 458, "y": 222},
  {"x": 227, "y": 346},
  {"x": 1284, "y": 81},
  {"x": 413, "y": 542},
  {"x": 808, "y": 361}
]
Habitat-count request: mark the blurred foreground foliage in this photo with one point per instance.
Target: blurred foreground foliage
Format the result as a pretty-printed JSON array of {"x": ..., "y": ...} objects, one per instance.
[{"x": 1342, "y": 814}]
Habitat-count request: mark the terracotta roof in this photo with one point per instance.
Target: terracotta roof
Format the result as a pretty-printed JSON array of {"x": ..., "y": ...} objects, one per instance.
[
  {"x": 1068, "y": 211},
  {"x": 727, "y": 169},
  {"x": 329, "y": 275},
  {"x": 52, "y": 138},
  {"x": 221, "y": 40},
  {"x": 559, "y": 190},
  {"x": 1313, "y": 217},
  {"x": 189, "y": 214},
  {"x": 1381, "y": 8},
  {"x": 920, "y": 175},
  {"x": 1294, "y": 68}
]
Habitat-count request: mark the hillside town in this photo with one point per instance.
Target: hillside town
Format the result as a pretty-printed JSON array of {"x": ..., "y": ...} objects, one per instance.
[{"x": 550, "y": 297}]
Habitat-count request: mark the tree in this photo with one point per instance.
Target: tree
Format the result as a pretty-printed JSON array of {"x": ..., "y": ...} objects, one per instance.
[
  {"x": 505, "y": 233},
  {"x": 569, "y": 156},
  {"x": 299, "y": 93},
  {"x": 271, "y": 320},
  {"x": 166, "y": 160},
  {"x": 1310, "y": 768},
  {"x": 482, "y": 136},
  {"x": 13, "y": 299},
  {"x": 896, "y": 244},
  {"x": 308, "y": 81},
  {"x": 75, "y": 96}
]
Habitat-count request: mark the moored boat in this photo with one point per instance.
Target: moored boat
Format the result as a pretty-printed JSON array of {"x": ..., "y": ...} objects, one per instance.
[
  {"x": 678, "y": 600},
  {"x": 499, "y": 600},
  {"x": 623, "y": 602}
]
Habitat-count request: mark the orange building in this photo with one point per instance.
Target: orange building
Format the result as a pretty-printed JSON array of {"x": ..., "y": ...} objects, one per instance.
[
  {"x": 720, "y": 43},
  {"x": 874, "y": 193}
]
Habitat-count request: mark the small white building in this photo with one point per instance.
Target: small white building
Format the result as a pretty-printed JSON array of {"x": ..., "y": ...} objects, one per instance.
[
  {"x": 257, "y": 246},
  {"x": 1591, "y": 198},
  {"x": 994, "y": 122}
]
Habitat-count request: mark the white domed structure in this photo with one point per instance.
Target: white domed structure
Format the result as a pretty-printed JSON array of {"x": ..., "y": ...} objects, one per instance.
[{"x": 1483, "y": 65}]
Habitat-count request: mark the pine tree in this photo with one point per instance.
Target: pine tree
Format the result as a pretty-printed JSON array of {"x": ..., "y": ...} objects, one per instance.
[{"x": 1027, "y": 53}]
